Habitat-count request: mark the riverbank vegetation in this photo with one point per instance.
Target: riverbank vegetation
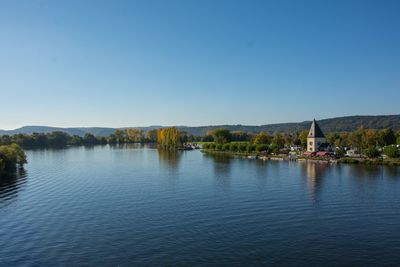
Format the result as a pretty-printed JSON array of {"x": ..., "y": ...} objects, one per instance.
[
  {"x": 11, "y": 157},
  {"x": 165, "y": 137},
  {"x": 169, "y": 138},
  {"x": 379, "y": 146},
  {"x": 367, "y": 143}
]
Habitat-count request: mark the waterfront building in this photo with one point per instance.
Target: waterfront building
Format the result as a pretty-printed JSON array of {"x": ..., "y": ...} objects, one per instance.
[{"x": 316, "y": 140}]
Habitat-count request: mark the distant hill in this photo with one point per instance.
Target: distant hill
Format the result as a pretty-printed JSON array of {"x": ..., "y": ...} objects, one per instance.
[
  {"x": 72, "y": 131},
  {"x": 340, "y": 124}
]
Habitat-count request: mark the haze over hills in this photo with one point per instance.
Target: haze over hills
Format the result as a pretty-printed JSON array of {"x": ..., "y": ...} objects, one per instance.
[{"x": 339, "y": 124}]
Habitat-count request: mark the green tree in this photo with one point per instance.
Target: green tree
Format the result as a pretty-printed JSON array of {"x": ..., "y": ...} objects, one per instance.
[
  {"x": 134, "y": 135},
  {"x": 262, "y": 138},
  {"x": 207, "y": 138},
  {"x": 152, "y": 135},
  {"x": 76, "y": 140},
  {"x": 332, "y": 137},
  {"x": 288, "y": 139},
  {"x": 101, "y": 140},
  {"x": 391, "y": 151},
  {"x": 339, "y": 153},
  {"x": 356, "y": 138},
  {"x": 370, "y": 138},
  {"x": 278, "y": 140},
  {"x": 183, "y": 137},
  {"x": 58, "y": 139},
  {"x": 222, "y": 136},
  {"x": 89, "y": 139},
  {"x": 233, "y": 147},
  {"x": 120, "y": 136},
  {"x": 372, "y": 152},
  {"x": 11, "y": 156},
  {"x": 387, "y": 137},
  {"x": 242, "y": 147},
  {"x": 240, "y": 136},
  {"x": 296, "y": 139},
  {"x": 226, "y": 147},
  {"x": 343, "y": 141},
  {"x": 274, "y": 148},
  {"x": 250, "y": 148},
  {"x": 262, "y": 148},
  {"x": 303, "y": 138}
]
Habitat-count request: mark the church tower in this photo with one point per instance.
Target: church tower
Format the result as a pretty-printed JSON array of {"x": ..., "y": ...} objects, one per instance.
[{"x": 315, "y": 138}]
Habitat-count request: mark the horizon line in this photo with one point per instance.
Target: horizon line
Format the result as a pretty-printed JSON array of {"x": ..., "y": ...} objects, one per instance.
[{"x": 209, "y": 125}]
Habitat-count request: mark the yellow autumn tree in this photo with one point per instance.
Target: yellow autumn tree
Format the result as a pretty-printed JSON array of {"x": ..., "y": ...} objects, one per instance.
[{"x": 168, "y": 138}]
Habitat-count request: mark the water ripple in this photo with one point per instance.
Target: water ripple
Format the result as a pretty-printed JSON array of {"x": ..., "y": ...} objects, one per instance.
[{"x": 138, "y": 206}]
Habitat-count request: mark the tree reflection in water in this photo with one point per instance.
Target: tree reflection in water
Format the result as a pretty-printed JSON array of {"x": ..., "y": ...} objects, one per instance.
[
  {"x": 222, "y": 168},
  {"x": 10, "y": 185},
  {"x": 169, "y": 159}
]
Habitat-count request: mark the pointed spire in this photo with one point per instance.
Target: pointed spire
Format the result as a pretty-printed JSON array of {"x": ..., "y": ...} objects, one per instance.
[{"x": 315, "y": 131}]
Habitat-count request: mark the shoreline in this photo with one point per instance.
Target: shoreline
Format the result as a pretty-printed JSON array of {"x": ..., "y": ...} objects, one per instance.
[{"x": 344, "y": 160}]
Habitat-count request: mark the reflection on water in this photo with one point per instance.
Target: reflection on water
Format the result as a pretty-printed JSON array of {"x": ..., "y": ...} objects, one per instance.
[
  {"x": 315, "y": 172},
  {"x": 10, "y": 185},
  {"x": 370, "y": 172},
  {"x": 138, "y": 206},
  {"x": 222, "y": 168},
  {"x": 221, "y": 163},
  {"x": 169, "y": 158},
  {"x": 392, "y": 172}
]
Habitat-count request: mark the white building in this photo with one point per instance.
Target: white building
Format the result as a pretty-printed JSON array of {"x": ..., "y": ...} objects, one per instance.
[{"x": 316, "y": 140}]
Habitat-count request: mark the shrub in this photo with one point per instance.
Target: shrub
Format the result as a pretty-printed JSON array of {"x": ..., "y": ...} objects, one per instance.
[
  {"x": 226, "y": 147},
  {"x": 371, "y": 152},
  {"x": 242, "y": 147},
  {"x": 206, "y": 146},
  {"x": 250, "y": 148},
  {"x": 262, "y": 147},
  {"x": 274, "y": 148},
  {"x": 391, "y": 151},
  {"x": 234, "y": 147},
  {"x": 218, "y": 146},
  {"x": 212, "y": 146},
  {"x": 339, "y": 153}
]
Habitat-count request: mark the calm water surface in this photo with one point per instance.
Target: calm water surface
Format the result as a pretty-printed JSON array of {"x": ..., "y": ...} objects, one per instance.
[{"x": 131, "y": 205}]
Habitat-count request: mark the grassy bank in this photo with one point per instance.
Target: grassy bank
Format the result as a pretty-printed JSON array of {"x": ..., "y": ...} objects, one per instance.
[
  {"x": 244, "y": 154},
  {"x": 345, "y": 160}
]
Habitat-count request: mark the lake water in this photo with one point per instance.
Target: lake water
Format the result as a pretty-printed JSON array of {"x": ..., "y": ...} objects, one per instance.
[{"x": 132, "y": 205}]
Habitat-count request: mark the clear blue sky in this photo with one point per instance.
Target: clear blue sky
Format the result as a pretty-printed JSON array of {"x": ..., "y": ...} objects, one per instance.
[{"x": 139, "y": 63}]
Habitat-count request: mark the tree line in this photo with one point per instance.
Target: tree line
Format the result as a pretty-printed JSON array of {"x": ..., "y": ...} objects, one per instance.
[
  {"x": 366, "y": 141},
  {"x": 53, "y": 139},
  {"x": 11, "y": 157},
  {"x": 165, "y": 137},
  {"x": 363, "y": 140}
]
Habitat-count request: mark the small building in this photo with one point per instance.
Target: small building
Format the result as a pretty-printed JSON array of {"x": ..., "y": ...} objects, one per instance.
[{"x": 316, "y": 140}]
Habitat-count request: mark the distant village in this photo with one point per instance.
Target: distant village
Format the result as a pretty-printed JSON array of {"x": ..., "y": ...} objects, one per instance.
[{"x": 363, "y": 145}]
